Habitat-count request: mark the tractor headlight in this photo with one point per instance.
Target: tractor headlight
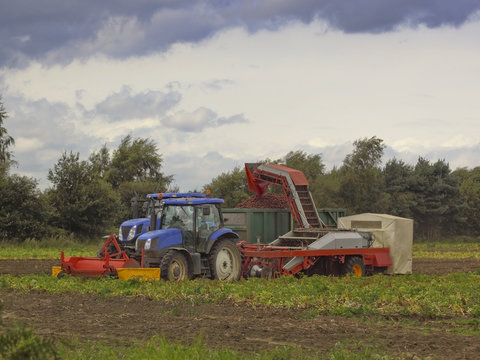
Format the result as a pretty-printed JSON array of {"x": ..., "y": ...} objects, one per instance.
[
  {"x": 132, "y": 232},
  {"x": 120, "y": 234},
  {"x": 148, "y": 244}
]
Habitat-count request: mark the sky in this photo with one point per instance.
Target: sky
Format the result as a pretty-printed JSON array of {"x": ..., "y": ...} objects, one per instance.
[{"x": 216, "y": 84}]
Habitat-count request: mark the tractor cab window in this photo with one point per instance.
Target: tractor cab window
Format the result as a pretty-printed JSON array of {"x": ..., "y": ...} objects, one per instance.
[
  {"x": 180, "y": 217},
  {"x": 207, "y": 222},
  {"x": 150, "y": 206},
  {"x": 208, "y": 219}
]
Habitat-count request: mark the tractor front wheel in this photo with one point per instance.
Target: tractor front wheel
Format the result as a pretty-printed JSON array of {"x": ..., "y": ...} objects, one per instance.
[
  {"x": 354, "y": 265},
  {"x": 225, "y": 261},
  {"x": 174, "y": 266}
]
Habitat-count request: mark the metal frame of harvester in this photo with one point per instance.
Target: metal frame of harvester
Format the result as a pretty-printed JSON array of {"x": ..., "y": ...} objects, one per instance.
[{"x": 311, "y": 248}]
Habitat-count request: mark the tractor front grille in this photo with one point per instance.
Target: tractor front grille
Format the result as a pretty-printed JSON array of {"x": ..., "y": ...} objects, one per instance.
[
  {"x": 140, "y": 244},
  {"x": 126, "y": 230}
]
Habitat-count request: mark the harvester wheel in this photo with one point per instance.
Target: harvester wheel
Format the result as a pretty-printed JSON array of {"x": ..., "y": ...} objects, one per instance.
[
  {"x": 354, "y": 265},
  {"x": 174, "y": 266},
  {"x": 225, "y": 261}
]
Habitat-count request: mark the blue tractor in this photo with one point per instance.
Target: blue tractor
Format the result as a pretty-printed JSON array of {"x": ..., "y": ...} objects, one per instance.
[
  {"x": 131, "y": 229},
  {"x": 189, "y": 238}
]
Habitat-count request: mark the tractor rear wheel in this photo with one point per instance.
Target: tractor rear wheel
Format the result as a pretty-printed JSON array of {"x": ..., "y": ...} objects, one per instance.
[
  {"x": 354, "y": 265},
  {"x": 225, "y": 261},
  {"x": 174, "y": 266}
]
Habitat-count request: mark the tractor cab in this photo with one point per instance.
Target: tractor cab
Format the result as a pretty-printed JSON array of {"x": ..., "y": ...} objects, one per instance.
[
  {"x": 131, "y": 229},
  {"x": 188, "y": 222},
  {"x": 196, "y": 222}
]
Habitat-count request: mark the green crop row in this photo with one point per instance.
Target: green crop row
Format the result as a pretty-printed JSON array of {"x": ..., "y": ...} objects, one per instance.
[
  {"x": 391, "y": 296},
  {"x": 469, "y": 250},
  {"x": 51, "y": 250},
  {"x": 33, "y": 249}
]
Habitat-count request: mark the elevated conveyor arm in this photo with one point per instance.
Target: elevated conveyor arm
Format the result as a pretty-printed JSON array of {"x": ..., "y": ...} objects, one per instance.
[{"x": 295, "y": 188}]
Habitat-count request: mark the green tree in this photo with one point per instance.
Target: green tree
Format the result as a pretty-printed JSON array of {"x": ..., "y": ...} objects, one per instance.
[
  {"x": 84, "y": 203},
  {"x": 130, "y": 190},
  {"x": 396, "y": 176},
  {"x": 313, "y": 168},
  {"x": 361, "y": 182},
  {"x": 5, "y": 140},
  {"x": 310, "y": 164},
  {"x": 134, "y": 170},
  {"x": 469, "y": 181},
  {"x": 100, "y": 161},
  {"x": 136, "y": 160},
  {"x": 437, "y": 201},
  {"x": 326, "y": 190},
  {"x": 230, "y": 186},
  {"x": 23, "y": 209}
]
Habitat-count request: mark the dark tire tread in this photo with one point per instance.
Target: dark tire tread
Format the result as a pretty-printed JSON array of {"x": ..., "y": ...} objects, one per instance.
[
  {"x": 351, "y": 264},
  {"x": 166, "y": 262},
  {"x": 213, "y": 259}
]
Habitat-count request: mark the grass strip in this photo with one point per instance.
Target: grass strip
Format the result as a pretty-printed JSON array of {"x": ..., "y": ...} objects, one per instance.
[
  {"x": 33, "y": 249},
  {"x": 159, "y": 348},
  {"x": 51, "y": 248},
  {"x": 425, "y": 296}
]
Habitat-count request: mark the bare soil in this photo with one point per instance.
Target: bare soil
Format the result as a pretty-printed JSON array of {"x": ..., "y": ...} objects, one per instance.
[
  {"x": 19, "y": 267},
  {"x": 123, "y": 319}
]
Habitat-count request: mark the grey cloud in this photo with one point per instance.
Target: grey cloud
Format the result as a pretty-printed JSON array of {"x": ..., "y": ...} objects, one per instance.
[
  {"x": 199, "y": 120},
  {"x": 217, "y": 84},
  {"x": 125, "y": 105},
  {"x": 42, "y": 131},
  {"x": 462, "y": 156},
  {"x": 39, "y": 118},
  {"x": 235, "y": 119},
  {"x": 205, "y": 167},
  {"x": 58, "y": 31},
  {"x": 332, "y": 155}
]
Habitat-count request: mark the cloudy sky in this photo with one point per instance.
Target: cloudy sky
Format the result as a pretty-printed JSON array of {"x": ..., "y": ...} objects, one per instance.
[{"x": 219, "y": 83}]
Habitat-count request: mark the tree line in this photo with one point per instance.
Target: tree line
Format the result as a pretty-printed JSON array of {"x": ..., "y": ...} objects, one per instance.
[
  {"x": 441, "y": 202},
  {"x": 92, "y": 197}
]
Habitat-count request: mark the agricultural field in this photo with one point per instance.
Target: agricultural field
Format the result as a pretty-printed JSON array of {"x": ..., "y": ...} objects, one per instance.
[{"x": 432, "y": 314}]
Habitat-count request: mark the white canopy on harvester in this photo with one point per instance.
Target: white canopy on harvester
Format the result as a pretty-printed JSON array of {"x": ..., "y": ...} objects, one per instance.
[{"x": 389, "y": 231}]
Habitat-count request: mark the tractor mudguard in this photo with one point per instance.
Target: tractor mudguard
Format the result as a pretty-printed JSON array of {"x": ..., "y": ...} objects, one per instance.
[
  {"x": 223, "y": 233},
  {"x": 193, "y": 259}
]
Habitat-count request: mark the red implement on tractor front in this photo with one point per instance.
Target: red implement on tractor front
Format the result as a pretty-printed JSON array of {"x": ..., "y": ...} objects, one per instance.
[{"x": 95, "y": 266}]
